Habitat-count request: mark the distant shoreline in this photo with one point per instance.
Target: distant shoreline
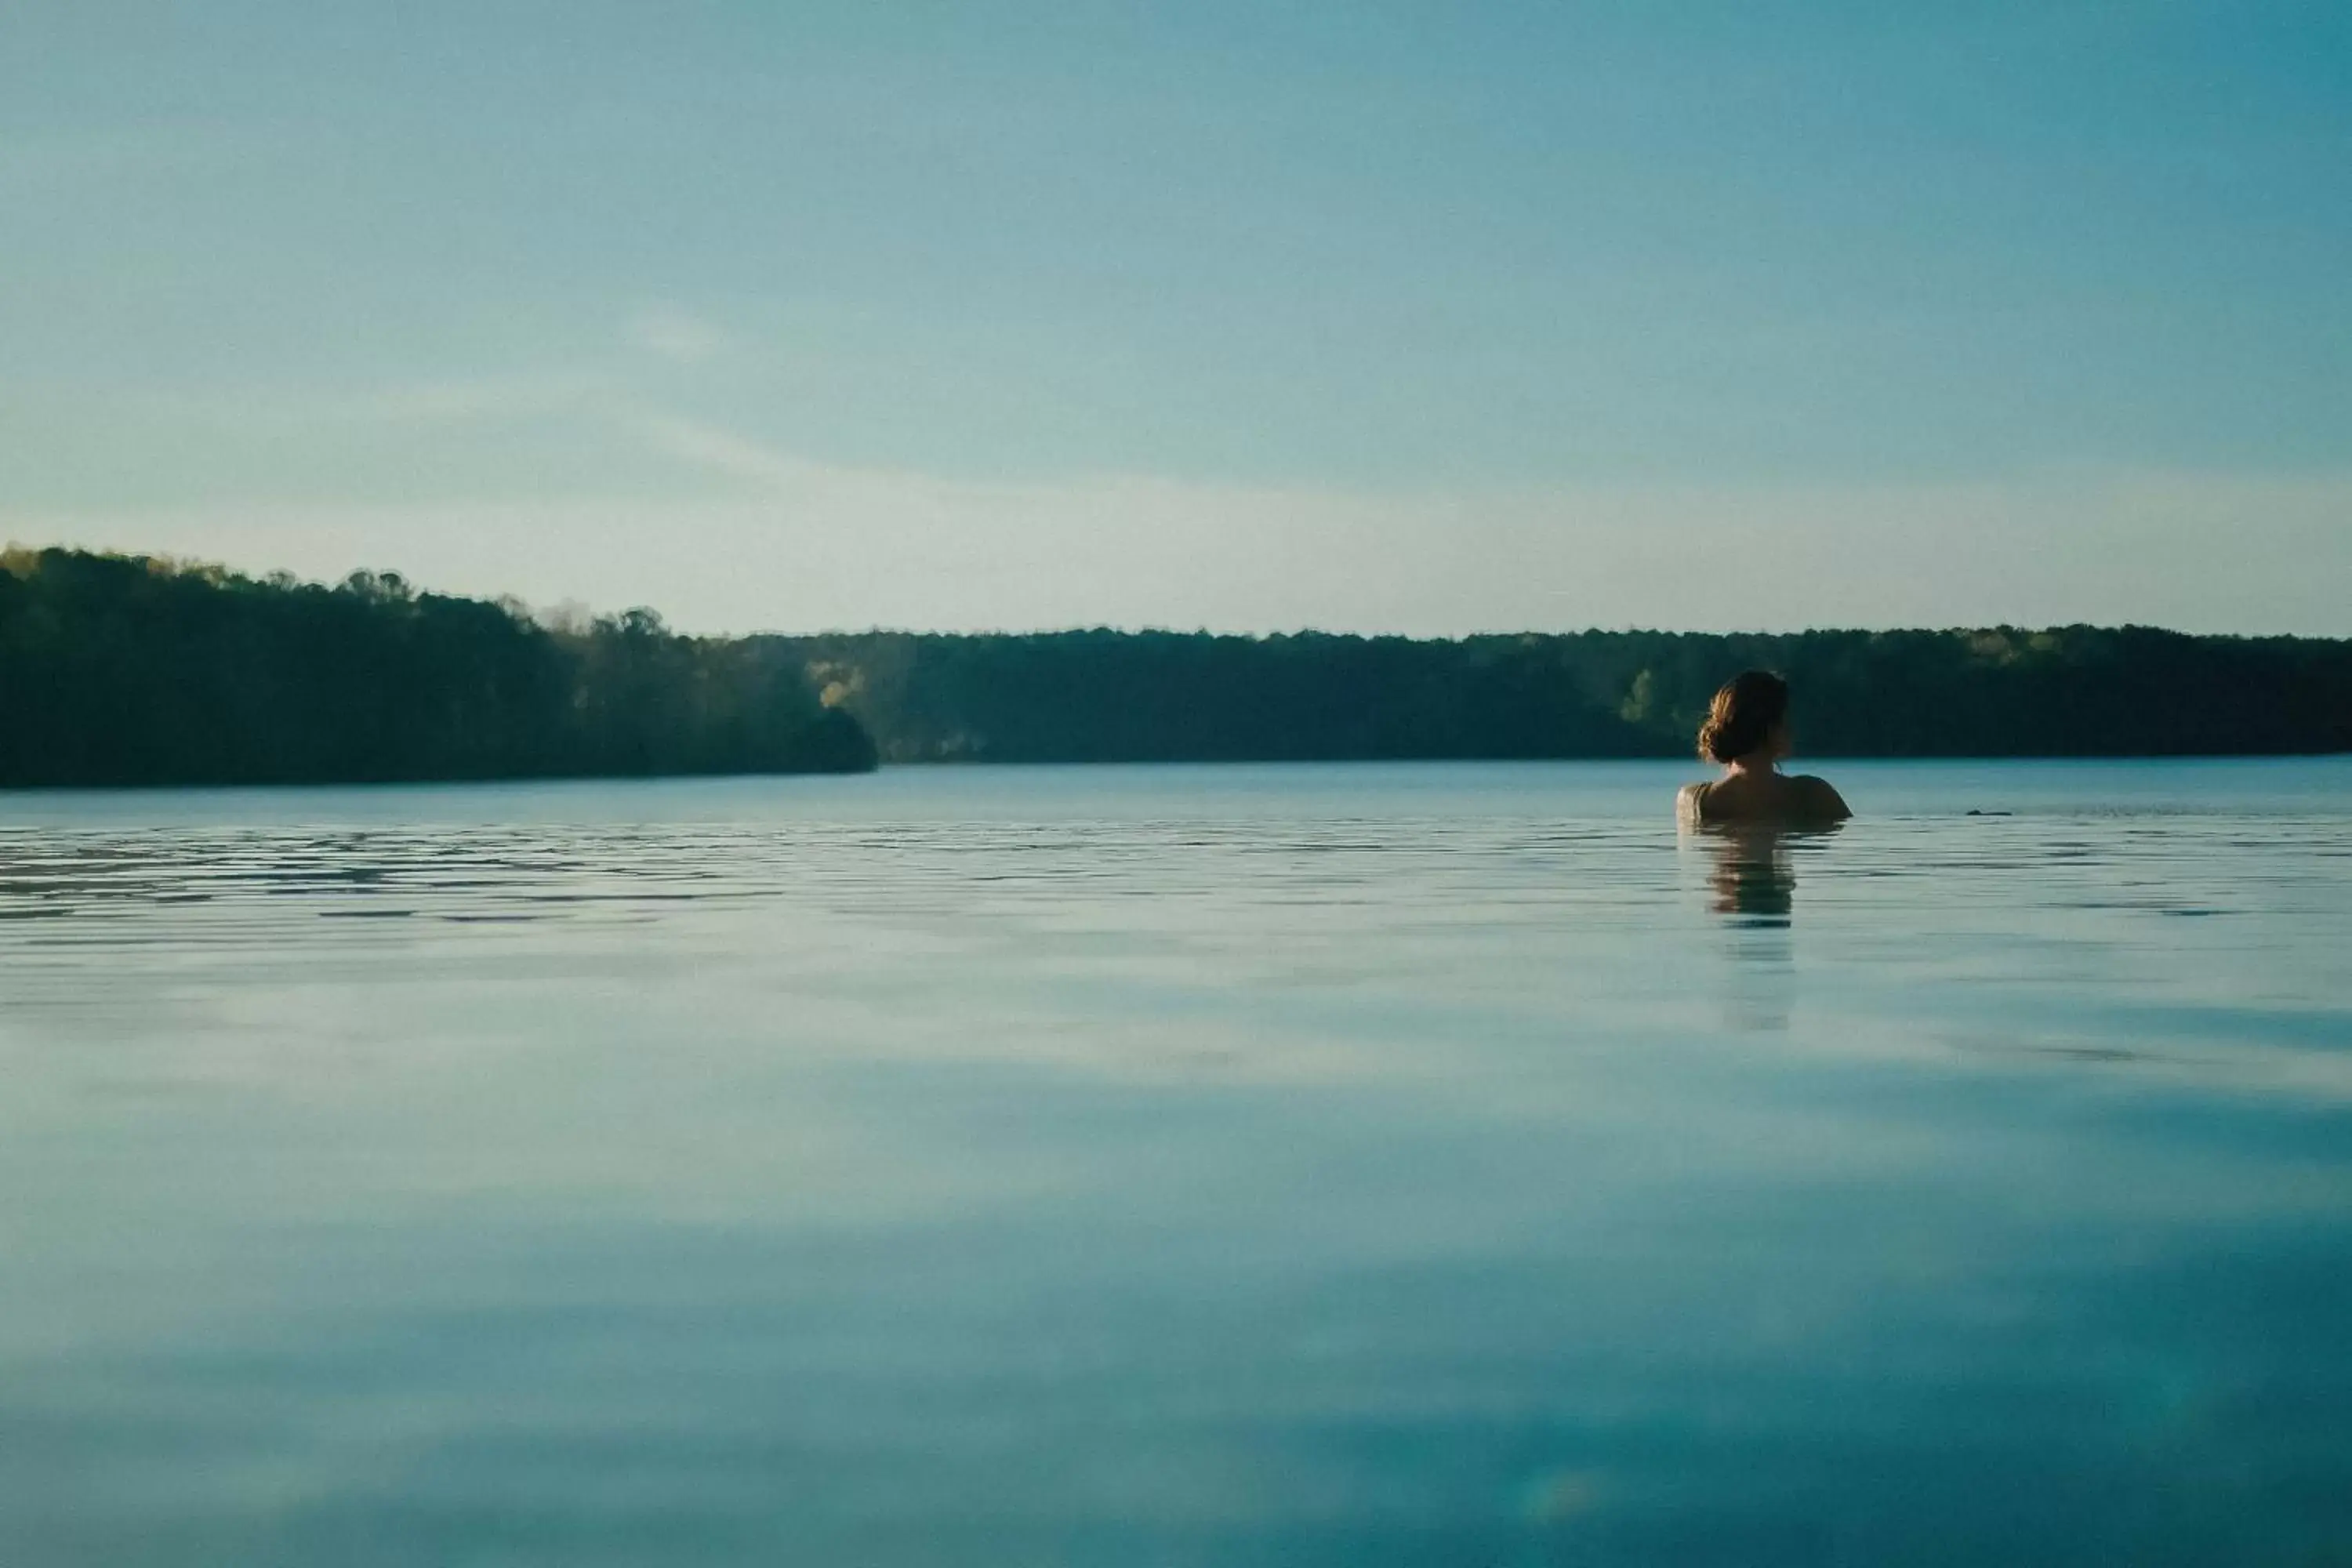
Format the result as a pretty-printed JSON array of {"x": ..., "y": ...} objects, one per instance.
[
  {"x": 1999, "y": 692},
  {"x": 129, "y": 671}
]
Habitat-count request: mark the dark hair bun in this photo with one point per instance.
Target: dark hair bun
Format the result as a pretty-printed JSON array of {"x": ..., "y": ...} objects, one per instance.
[{"x": 1742, "y": 715}]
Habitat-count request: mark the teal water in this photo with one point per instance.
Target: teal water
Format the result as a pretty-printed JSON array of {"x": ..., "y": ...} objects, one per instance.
[{"x": 1180, "y": 1165}]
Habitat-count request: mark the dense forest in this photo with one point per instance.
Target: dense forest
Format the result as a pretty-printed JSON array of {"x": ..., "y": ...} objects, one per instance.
[
  {"x": 1101, "y": 696},
  {"x": 131, "y": 671},
  {"x": 127, "y": 670}
]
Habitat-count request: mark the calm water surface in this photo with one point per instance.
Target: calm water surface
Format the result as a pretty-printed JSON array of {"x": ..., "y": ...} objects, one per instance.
[{"x": 1122, "y": 1166}]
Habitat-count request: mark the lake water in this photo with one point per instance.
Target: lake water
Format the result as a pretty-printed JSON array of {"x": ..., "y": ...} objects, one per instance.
[{"x": 1417, "y": 1165}]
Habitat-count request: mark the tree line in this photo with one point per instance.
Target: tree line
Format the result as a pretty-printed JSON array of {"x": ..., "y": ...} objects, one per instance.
[
  {"x": 137, "y": 670},
  {"x": 1106, "y": 696}
]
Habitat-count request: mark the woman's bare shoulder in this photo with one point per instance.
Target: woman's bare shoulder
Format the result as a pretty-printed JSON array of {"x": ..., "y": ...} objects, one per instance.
[
  {"x": 1688, "y": 802},
  {"x": 1820, "y": 797}
]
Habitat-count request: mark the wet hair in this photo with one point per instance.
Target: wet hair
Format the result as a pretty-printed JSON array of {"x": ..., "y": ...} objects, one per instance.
[{"x": 1742, "y": 715}]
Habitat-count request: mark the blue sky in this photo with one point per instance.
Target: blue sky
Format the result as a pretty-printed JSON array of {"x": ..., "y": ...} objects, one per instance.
[{"x": 1428, "y": 318}]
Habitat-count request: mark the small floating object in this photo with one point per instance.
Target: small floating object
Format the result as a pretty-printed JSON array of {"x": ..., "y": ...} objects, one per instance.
[{"x": 1973, "y": 812}]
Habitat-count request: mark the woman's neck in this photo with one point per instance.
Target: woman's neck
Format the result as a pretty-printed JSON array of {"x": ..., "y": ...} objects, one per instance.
[{"x": 1750, "y": 767}]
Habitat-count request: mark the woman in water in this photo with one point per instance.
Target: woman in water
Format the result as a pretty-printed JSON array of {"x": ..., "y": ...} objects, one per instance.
[{"x": 1747, "y": 731}]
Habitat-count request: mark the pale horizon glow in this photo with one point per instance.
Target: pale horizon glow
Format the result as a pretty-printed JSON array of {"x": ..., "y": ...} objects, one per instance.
[{"x": 1417, "y": 319}]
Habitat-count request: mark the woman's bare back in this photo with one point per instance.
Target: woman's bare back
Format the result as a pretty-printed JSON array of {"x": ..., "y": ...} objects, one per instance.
[{"x": 1760, "y": 795}]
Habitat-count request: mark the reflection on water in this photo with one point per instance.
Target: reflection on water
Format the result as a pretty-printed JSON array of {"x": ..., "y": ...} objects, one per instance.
[
  {"x": 1753, "y": 878},
  {"x": 1302, "y": 1166}
]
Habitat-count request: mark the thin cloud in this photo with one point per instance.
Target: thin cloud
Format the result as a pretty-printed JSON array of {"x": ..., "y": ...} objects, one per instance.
[
  {"x": 487, "y": 399},
  {"x": 676, "y": 334},
  {"x": 722, "y": 452},
  {"x": 456, "y": 400}
]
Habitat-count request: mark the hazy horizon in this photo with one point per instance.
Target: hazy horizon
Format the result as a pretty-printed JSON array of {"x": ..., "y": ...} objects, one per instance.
[
  {"x": 577, "y": 613},
  {"x": 1414, "y": 319}
]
